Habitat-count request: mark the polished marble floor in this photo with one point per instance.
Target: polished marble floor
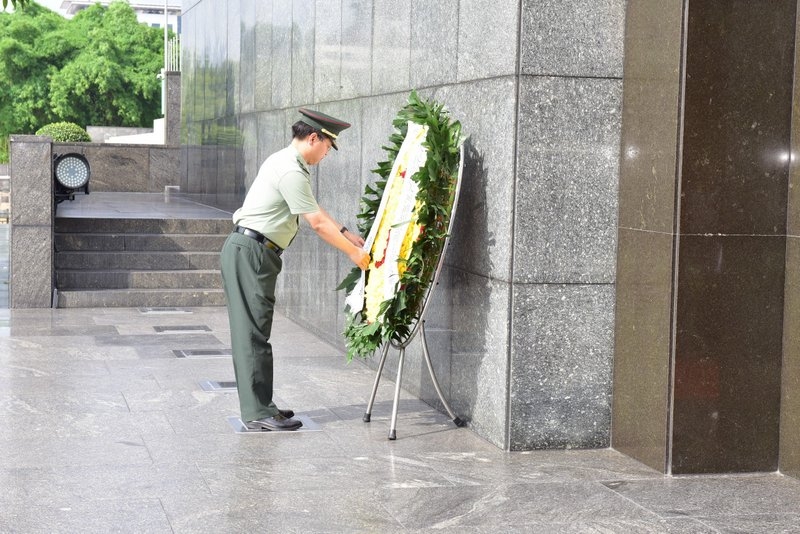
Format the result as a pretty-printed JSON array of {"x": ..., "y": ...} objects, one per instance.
[{"x": 105, "y": 426}]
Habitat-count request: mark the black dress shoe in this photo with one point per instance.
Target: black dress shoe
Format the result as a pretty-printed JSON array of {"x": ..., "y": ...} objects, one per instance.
[
  {"x": 275, "y": 423},
  {"x": 288, "y": 414}
]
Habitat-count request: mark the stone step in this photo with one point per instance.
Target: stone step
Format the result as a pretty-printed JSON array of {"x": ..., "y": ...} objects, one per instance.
[
  {"x": 73, "y": 225},
  {"x": 109, "y": 262},
  {"x": 127, "y": 242},
  {"x": 68, "y": 279},
  {"x": 136, "y": 298},
  {"x": 137, "y": 261}
]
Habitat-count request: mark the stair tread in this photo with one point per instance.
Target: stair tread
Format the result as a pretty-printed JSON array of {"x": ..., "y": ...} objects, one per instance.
[
  {"x": 182, "y": 271},
  {"x": 142, "y": 234},
  {"x": 148, "y": 252},
  {"x": 146, "y": 290}
]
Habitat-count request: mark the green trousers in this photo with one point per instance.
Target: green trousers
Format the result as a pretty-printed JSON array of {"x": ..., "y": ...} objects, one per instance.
[{"x": 249, "y": 273}]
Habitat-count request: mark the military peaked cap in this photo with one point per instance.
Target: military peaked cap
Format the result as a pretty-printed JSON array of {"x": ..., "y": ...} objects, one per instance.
[{"x": 326, "y": 124}]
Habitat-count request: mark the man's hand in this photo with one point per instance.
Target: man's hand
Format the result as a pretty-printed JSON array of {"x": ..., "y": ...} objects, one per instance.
[
  {"x": 361, "y": 258},
  {"x": 328, "y": 230},
  {"x": 355, "y": 239}
]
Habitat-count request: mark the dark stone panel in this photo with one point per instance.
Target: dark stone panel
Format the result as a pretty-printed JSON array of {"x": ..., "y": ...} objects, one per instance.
[
  {"x": 739, "y": 68},
  {"x": 642, "y": 346},
  {"x": 790, "y": 376},
  {"x": 790, "y": 399},
  {"x": 728, "y": 347},
  {"x": 650, "y": 115}
]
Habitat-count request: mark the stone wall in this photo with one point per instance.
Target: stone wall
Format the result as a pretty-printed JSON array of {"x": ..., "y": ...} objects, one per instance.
[
  {"x": 127, "y": 168},
  {"x": 520, "y": 328},
  {"x": 114, "y": 168}
]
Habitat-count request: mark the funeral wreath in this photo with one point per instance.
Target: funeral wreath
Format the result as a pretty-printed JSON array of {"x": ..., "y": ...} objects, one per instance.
[{"x": 406, "y": 219}]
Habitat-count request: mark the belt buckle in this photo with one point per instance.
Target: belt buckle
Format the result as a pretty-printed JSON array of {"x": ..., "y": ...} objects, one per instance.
[{"x": 273, "y": 247}]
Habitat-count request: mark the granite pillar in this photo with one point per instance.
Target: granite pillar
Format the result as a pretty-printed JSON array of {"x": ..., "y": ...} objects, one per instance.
[
  {"x": 564, "y": 236},
  {"x": 702, "y": 234},
  {"x": 30, "y": 268},
  {"x": 172, "y": 113}
]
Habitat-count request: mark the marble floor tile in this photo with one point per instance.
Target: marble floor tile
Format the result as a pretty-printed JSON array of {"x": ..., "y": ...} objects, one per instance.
[
  {"x": 45, "y": 450},
  {"x": 209, "y": 449},
  {"x": 784, "y": 523},
  {"x": 103, "y": 429},
  {"x": 712, "y": 496},
  {"x": 287, "y": 512},
  {"x": 96, "y": 483},
  {"x": 70, "y": 514},
  {"x": 505, "y": 507}
]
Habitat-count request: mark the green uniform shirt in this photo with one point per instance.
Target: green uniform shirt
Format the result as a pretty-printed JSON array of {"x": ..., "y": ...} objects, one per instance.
[{"x": 280, "y": 192}]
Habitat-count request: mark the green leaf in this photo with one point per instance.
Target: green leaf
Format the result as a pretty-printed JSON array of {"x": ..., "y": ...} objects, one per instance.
[{"x": 350, "y": 280}]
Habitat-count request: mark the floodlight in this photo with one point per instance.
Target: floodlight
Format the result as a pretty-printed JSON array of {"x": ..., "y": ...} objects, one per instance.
[{"x": 71, "y": 172}]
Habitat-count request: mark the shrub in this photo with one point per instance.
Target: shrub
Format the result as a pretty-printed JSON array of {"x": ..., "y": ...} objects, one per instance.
[{"x": 64, "y": 132}]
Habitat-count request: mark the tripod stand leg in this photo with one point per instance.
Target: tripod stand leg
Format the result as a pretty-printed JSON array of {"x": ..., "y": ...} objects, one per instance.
[
  {"x": 393, "y": 426},
  {"x": 456, "y": 420},
  {"x": 368, "y": 413}
]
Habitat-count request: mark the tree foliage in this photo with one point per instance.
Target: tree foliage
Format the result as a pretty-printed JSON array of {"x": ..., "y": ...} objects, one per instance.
[
  {"x": 99, "y": 68},
  {"x": 15, "y": 3}
]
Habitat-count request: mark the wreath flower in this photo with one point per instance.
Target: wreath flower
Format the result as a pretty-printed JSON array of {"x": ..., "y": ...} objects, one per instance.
[{"x": 414, "y": 210}]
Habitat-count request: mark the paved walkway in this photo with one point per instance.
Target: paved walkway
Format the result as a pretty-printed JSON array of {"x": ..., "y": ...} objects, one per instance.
[{"x": 107, "y": 424}]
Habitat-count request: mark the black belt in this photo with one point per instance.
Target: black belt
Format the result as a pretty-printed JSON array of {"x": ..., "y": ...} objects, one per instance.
[{"x": 261, "y": 238}]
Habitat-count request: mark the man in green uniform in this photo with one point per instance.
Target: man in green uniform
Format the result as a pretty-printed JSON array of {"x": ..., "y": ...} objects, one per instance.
[{"x": 251, "y": 259}]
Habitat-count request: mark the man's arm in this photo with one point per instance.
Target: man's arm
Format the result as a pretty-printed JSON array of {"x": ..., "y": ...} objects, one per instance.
[
  {"x": 328, "y": 229},
  {"x": 355, "y": 239}
]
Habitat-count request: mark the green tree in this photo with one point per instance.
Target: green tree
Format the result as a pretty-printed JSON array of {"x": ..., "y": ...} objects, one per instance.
[
  {"x": 98, "y": 68},
  {"x": 32, "y": 48},
  {"x": 15, "y": 3},
  {"x": 113, "y": 80}
]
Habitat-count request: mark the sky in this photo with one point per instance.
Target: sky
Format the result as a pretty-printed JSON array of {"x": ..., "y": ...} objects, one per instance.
[{"x": 52, "y": 4}]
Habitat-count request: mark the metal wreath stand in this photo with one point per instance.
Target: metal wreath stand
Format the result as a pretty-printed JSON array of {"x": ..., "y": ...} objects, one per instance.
[{"x": 419, "y": 327}]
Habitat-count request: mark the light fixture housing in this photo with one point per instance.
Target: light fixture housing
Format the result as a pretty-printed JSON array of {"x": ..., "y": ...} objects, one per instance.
[{"x": 71, "y": 173}]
